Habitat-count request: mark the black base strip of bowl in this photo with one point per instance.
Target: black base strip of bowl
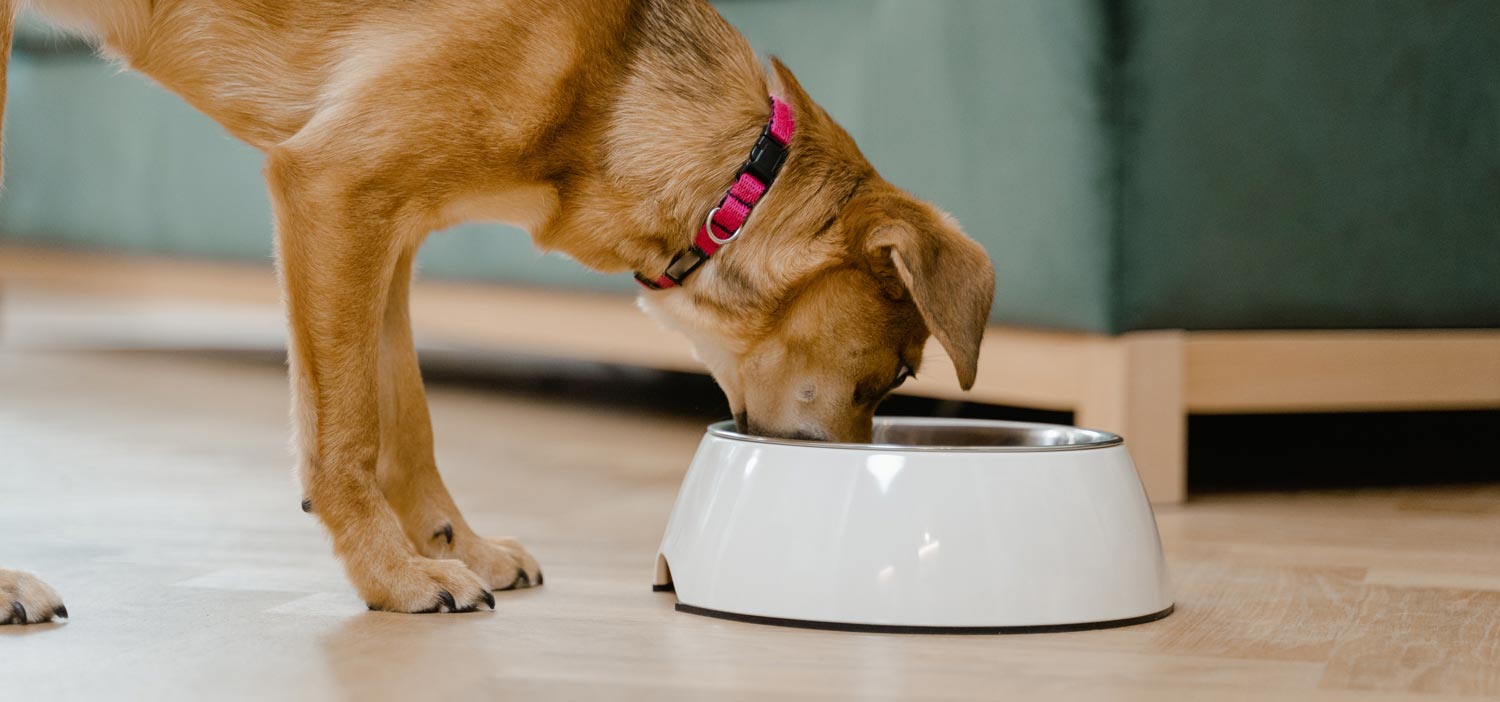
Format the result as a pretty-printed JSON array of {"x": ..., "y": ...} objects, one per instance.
[
  {"x": 669, "y": 587},
  {"x": 903, "y": 629}
]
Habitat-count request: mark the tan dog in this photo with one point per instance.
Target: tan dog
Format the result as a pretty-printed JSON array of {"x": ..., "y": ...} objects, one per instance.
[{"x": 607, "y": 129}]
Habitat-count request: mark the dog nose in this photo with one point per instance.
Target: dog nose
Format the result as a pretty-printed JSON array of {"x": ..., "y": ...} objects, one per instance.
[
  {"x": 743, "y": 425},
  {"x": 794, "y": 435}
]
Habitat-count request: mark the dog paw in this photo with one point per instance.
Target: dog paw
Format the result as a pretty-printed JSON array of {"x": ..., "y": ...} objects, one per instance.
[
  {"x": 426, "y": 586},
  {"x": 26, "y": 600},
  {"x": 503, "y": 564}
]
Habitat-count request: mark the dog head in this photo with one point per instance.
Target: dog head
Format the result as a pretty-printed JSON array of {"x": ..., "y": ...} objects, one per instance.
[{"x": 825, "y": 304}]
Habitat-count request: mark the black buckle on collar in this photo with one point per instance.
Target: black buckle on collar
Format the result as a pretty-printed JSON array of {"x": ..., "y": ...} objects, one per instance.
[
  {"x": 685, "y": 263},
  {"x": 766, "y": 158}
]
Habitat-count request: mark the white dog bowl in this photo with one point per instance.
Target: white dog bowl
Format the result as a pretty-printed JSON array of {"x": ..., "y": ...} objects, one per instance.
[{"x": 941, "y": 526}]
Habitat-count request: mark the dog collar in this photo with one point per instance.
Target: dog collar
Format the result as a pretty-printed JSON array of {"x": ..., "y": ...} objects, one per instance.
[{"x": 727, "y": 218}]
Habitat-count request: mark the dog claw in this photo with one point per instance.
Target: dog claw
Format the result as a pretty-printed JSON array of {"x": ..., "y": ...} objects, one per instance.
[
  {"x": 61, "y": 611},
  {"x": 445, "y": 599},
  {"x": 539, "y": 579},
  {"x": 446, "y": 532},
  {"x": 18, "y": 613},
  {"x": 522, "y": 581},
  {"x": 307, "y": 506}
]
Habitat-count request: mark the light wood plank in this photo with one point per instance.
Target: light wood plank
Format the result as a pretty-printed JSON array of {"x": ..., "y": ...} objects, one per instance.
[
  {"x": 1134, "y": 389},
  {"x": 1428, "y": 641},
  {"x": 1240, "y": 611},
  {"x": 1331, "y": 371}
]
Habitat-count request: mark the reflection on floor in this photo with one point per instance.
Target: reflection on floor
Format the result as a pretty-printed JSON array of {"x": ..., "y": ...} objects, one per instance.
[{"x": 153, "y": 490}]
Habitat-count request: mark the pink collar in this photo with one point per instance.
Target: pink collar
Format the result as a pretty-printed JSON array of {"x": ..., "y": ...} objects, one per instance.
[{"x": 727, "y": 218}]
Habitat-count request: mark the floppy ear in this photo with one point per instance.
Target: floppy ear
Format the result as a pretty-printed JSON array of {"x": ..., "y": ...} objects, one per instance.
[{"x": 950, "y": 279}]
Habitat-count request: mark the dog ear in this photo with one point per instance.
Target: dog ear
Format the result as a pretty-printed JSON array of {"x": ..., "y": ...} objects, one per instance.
[{"x": 949, "y": 276}]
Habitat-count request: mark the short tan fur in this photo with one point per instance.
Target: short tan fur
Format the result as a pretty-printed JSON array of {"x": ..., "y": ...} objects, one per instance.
[{"x": 607, "y": 129}]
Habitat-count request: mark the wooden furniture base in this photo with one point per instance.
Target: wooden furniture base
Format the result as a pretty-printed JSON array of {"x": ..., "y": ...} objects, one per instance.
[{"x": 1139, "y": 384}]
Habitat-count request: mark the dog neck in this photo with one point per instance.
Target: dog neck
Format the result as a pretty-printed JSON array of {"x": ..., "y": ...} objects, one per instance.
[
  {"x": 728, "y": 218},
  {"x": 671, "y": 143}
]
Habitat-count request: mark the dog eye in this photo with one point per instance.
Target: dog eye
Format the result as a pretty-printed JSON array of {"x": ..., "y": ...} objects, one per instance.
[
  {"x": 901, "y": 375},
  {"x": 872, "y": 391}
]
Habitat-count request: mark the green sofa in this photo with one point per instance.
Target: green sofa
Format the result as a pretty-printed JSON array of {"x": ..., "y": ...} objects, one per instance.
[{"x": 1129, "y": 164}]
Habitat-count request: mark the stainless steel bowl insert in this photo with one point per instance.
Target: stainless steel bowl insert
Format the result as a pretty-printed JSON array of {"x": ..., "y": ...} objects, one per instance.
[{"x": 972, "y": 435}]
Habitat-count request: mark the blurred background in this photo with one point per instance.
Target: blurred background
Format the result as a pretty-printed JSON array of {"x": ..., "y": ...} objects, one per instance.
[{"x": 1261, "y": 239}]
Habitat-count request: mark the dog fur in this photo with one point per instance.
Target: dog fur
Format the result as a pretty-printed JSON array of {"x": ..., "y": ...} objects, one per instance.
[{"x": 607, "y": 129}]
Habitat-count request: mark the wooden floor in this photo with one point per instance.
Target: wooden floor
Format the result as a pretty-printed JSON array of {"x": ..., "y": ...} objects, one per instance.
[{"x": 153, "y": 490}]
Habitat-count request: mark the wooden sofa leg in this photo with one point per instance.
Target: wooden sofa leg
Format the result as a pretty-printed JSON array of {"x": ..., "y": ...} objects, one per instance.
[{"x": 1135, "y": 389}]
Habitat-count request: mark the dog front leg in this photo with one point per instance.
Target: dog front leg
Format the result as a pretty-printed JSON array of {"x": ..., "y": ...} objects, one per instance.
[
  {"x": 338, "y": 249},
  {"x": 408, "y": 472}
]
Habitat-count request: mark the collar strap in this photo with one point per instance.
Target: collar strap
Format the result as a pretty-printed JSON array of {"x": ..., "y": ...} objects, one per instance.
[{"x": 727, "y": 218}]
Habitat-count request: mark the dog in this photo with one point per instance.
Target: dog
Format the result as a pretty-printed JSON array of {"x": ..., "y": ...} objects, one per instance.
[{"x": 618, "y": 132}]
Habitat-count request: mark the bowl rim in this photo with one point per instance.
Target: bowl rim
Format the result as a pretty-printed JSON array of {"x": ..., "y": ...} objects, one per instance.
[{"x": 1096, "y": 439}]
